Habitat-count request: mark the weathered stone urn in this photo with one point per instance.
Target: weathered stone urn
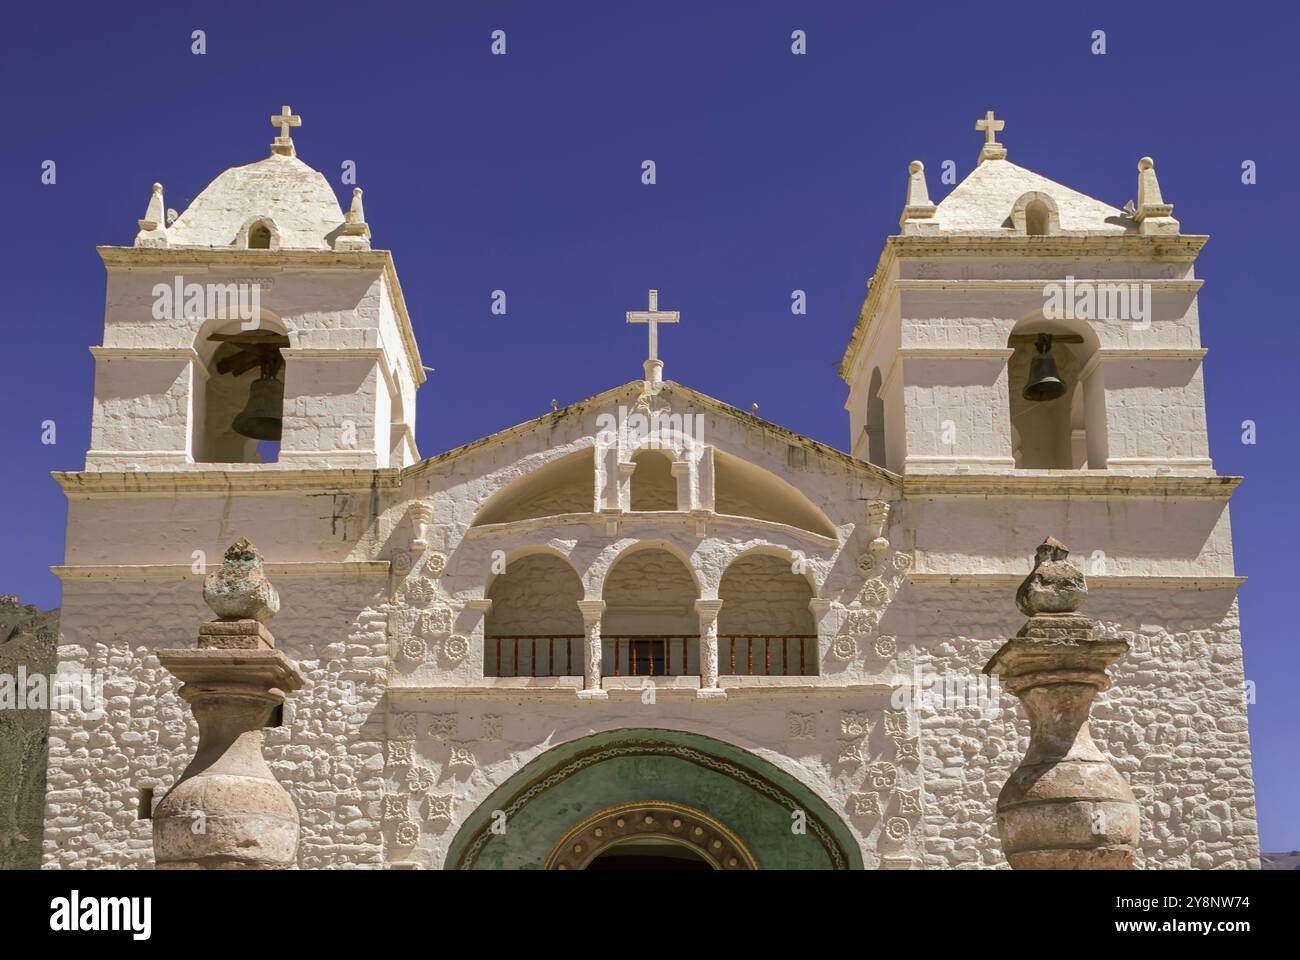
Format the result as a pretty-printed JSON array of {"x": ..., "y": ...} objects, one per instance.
[
  {"x": 227, "y": 811},
  {"x": 1065, "y": 807}
]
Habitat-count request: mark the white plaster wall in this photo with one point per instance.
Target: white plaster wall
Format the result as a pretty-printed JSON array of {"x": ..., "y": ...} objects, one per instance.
[{"x": 356, "y": 637}]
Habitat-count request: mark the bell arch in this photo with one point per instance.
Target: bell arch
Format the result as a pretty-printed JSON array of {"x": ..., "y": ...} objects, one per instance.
[
  {"x": 241, "y": 373},
  {"x": 1056, "y": 426},
  {"x": 654, "y": 488},
  {"x": 584, "y": 781}
]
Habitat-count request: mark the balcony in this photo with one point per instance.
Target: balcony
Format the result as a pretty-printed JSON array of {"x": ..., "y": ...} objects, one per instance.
[{"x": 651, "y": 655}]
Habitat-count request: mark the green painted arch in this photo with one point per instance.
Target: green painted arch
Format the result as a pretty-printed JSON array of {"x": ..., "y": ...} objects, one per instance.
[{"x": 570, "y": 782}]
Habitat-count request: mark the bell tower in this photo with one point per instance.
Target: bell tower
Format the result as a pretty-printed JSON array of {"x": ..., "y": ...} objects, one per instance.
[
  {"x": 257, "y": 327},
  {"x": 1020, "y": 325}
]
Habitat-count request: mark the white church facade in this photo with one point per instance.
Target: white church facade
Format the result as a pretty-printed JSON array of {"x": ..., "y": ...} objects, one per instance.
[{"x": 650, "y": 625}]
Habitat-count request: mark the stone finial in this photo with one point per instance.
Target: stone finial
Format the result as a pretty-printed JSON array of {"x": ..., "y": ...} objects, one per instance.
[
  {"x": 153, "y": 226},
  {"x": 877, "y": 520},
  {"x": 992, "y": 150},
  {"x": 235, "y": 684},
  {"x": 918, "y": 205},
  {"x": 1065, "y": 807},
  {"x": 1153, "y": 216},
  {"x": 1055, "y": 585},
  {"x": 238, "y": 589},
  {"x": 355, "y": 232}
]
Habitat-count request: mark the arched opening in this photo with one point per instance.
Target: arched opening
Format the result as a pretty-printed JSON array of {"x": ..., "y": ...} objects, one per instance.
[
  {"x": 259, "y": 237},
  {"x": 654, "y": 487},
  {"x": 567, "y": 485},
  {"x": 561, "y": 797},
  {"x": 765, "y": 626},
  {"x": 238, "y": 405},
  {"x": 742, "y": 489},
  {"x": 534, "y": 627},
  {"x": 650, "y": 856},
  {"x": 1037, "y": 218},
  {"x": 649, "y": 626},
  {"x": 1067, "y": 431},
  {"x": 875, "y": 420}
]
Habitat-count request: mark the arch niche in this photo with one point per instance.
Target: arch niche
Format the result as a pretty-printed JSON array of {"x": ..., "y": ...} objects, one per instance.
[{"x": 740, "y": 804}]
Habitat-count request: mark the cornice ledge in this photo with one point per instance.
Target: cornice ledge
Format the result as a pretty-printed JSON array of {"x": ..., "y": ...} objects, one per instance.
[
  {"x": 1070, "y": 484},
  {"x": 183, "y": 571},
  {"x": 1009, "y": 581},
  {"x": 117, "y": 483}
]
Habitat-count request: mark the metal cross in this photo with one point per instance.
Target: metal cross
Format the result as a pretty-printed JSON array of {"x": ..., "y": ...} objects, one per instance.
[{"x": 653, "y": 316}]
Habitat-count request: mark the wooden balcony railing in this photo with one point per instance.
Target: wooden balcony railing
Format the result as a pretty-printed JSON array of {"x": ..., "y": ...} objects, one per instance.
[
  {"x": 561, "y": 655},
  {"x": 651, "y": 655},
  {"x": 736, "y": 654}
]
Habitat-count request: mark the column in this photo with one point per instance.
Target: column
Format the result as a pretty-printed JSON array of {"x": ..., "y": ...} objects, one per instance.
[
  {"x": 227, "y": 810},
  {"x": 1065, "y": 807},
  {"x": 708, "y": 611},
  {"x": 592, "y": 650}
]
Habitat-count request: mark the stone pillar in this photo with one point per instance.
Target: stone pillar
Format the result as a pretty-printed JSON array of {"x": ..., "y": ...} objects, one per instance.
[
  {"x": 227, "y": 811},
  {"x": 1065, "y": 807},
  {"x": 708, "y": 611},
  {"x": 592, "y": 650}
]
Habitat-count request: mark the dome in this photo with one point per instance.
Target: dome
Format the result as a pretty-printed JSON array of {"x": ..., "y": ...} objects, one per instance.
[{"x": 281, "y": 192}]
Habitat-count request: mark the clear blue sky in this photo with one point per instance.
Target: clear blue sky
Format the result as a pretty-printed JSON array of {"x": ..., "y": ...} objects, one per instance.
[{"x": 775, "y": 172}]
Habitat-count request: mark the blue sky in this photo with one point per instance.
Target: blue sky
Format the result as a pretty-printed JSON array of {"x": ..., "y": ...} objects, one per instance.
[{"x": 775, "y": 172}]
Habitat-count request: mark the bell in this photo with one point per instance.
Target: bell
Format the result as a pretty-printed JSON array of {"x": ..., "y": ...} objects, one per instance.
[
  {"x": 1043, "y": 383},
  {"x": 261, "y": 417}
]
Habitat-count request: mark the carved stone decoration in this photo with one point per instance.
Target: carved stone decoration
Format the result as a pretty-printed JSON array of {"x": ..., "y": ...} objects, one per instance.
[
  {"x": 854, "y": 723},
  {"x": 885, "y": 647},
  {"x": 844, "y": 648},
  {"x": 455, "y": 648},
  {"x": 896, "y": 723},
  {"x": 909, "y": 802},
  {"x": 421, "y": 519},
  {"x": 897, "y": 829},
  {"x": 877, "y": 519},
  {"x": 402, "y": 562},
  {"x": 874, "y": 593},
  {"x": 407, "y": 833},
  {"x": 399, "y": 751},
  {"x": 493, "y": 727},
  {"x": 461, "y": 756},
  {"x": 882, "y": 775},
  {"x": 443, "y": 725},
  {"x": 859, "y": 620},
  {"x": 655, "y": 820},
  {"x": 902, "y": 562},
  {"x": 801, "y": 726},
  {"x": 406, "y": 725},
  {"x": 864, "y": 804},
  {"x": 413, "y": 650},
  {"x": 850, "y": 753},
  {"x": 907, "y": 749},
  {"x": 435, "y": 565},
  {"x": 238, "y": 589},
  {"x": 438, "y": 806},
  {"x": 435, "y": 623},
  {"x": 1065, "y": 807},
  {"x": 397, "y": 806},
  {"x": 868, "y": 565},
  {"x": 234, "y": 682},
  {"x": 420, "y": 779},
  {"x": 421, "y": 591}
]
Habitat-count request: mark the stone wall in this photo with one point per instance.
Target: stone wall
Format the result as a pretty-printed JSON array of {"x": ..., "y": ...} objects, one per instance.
[{"x": 1173, "y": 722}]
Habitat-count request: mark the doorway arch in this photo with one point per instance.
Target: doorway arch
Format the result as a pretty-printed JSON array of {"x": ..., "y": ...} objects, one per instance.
[{"x": 565, "y": 787}]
